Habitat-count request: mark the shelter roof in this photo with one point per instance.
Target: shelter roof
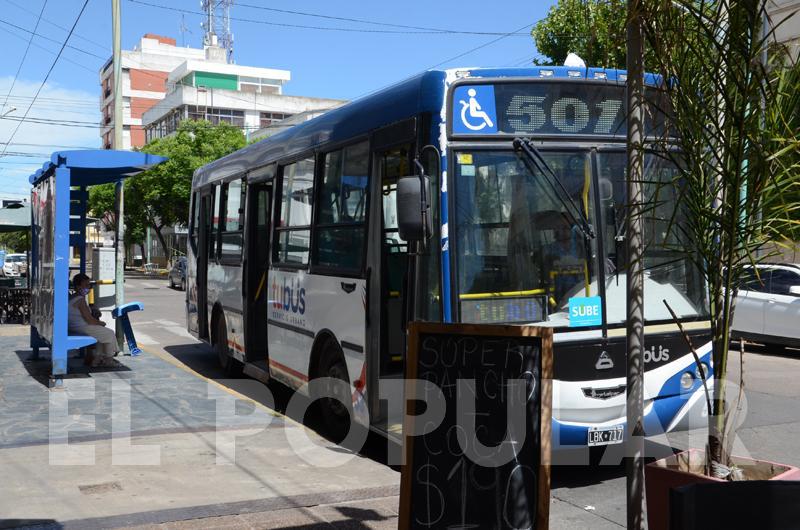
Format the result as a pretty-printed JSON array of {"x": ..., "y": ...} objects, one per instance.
[
  {"x": 15, "y": 219},
  {"x": 97, "y": 166}
]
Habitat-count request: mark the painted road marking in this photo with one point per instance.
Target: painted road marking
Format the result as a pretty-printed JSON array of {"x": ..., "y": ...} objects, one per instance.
[
  {"x": 170, "y": 323},
  {"x": 148, "y": 285},
  {"x": 177, "y": 330},
  {"x": 143, "y": 338}
]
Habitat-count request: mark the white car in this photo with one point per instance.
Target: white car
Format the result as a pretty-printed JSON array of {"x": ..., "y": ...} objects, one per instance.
[
  {"x": 768, "y": 306},
  {"x": 15, "y": 265}
]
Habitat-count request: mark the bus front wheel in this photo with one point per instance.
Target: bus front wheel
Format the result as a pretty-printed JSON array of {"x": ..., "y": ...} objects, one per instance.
[{"x": 334, "y": 400}]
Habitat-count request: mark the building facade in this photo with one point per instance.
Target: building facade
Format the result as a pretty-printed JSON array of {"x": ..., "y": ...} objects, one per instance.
[
  {"x": 244, "y": 96},
  {"x": 164, "y": 84},
  {"x": 785, "y": 17},
  {"x": 144, "y": 74}
]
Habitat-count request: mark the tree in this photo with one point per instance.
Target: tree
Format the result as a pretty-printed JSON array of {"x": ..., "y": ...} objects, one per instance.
[
  {"x": 164, "y": 190},
  {"x": 16, "y": 241},
  {"x": 594, "y": 29},
  {"x": 734, "y": 144},
  {"x": 159, "y": 197},
  {"x": 102, "y": 205}
]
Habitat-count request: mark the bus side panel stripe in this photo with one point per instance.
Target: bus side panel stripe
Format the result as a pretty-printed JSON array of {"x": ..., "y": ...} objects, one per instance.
[
  {"x": 291, "y": 371},
  {"x": 350, "y": 346},
  {"x": 290, "y": 327}
]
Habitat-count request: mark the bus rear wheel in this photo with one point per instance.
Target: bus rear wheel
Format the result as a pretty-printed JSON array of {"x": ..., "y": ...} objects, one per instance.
[
  {"x": 335, "y": 411},
  {"x": 230, "y": 366}
]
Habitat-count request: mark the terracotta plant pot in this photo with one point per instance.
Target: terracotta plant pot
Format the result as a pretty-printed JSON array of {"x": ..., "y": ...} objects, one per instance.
[{"x": 687, "y": 468}]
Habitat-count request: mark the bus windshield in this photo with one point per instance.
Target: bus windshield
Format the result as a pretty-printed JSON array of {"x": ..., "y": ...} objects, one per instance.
[
  {"x": 669, "y": 273},
  {"x": 520, "y": 258}
]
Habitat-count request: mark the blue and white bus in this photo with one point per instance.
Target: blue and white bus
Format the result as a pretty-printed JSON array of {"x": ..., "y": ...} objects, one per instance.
[{"x": 297, "y": 269}]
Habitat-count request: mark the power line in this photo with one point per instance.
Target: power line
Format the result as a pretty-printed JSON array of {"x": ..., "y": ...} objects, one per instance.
[
  {"x": 76, "y": 101},
  {"x": 460, "y": 55},
  {"x": 450, "y": 59},
  {"x": 59, "y": 26},
  {"x": 7, "y": 23},
  {"x": 51, "y": 52},
  {"x": 46, "y": 77},
  {"x": 49, "y": 145},
  {"x": 323, "y": 28},
  {"x": 46, "y": 121},
  {"x": 372, "y": 22},
  {"x": 21, "y": 154},
  {"x": 25, "y": 55}
]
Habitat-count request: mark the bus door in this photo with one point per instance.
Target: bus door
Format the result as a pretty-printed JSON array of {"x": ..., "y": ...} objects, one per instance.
[
  {"x": 387, "y": 269},
  {"x": 203, "y": 255},
  {"x": 393, "y": 164},
  {"x": 256, "y": 264}
]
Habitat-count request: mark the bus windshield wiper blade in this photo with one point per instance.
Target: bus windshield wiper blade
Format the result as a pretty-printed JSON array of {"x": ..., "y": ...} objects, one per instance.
[{"x": 534, "y": 158}]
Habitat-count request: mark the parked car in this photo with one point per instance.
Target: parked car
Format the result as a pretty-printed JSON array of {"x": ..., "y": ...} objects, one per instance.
[
  {"x": 15, "y": 265},
  {"x": 768, "y": 306},
  {"x": 177, "y": 274}
]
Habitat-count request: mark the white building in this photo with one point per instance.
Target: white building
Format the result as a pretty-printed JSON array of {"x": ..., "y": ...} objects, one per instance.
[
  {"x": 248, "y": 97},
  {"x": 144, "y": 75},
  {"x": 163, "y": 84},
  {"x": 785, "y": 16}
]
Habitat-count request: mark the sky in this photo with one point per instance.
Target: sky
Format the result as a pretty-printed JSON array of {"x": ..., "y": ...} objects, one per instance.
[{"x": 327, "y": 57}]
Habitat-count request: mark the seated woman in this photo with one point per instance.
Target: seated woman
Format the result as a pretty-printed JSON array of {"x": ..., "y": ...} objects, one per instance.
[{"x": 82, "y": 321}]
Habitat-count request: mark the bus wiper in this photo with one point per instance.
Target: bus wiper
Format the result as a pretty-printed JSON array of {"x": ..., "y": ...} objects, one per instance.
[{"x": 534, "y": 160}]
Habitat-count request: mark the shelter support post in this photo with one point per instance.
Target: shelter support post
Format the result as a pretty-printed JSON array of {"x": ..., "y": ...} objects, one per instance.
[
  {"x": 58, "y": 350},
  {"x": 119, "y": 276}
]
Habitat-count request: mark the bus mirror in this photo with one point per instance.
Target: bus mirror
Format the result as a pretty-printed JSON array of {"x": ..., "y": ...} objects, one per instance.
[{"x": 413, "y": 208}]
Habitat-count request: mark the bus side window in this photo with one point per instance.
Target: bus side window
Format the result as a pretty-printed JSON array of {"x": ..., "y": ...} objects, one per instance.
[
  {"x": 295, "y": 200},
  {"x": 213, "y": 236},
  {"x": 232, "y": 222},
  {"x": 339, "y": 232},
  {"x": 195, "y": 220}
]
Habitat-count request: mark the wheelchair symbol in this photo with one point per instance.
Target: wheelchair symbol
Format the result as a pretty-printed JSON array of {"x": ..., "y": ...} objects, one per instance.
[{"x": 475, "y": 112}]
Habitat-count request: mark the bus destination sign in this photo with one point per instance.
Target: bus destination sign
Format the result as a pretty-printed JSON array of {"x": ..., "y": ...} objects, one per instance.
[{"x": 544, "y": 108}]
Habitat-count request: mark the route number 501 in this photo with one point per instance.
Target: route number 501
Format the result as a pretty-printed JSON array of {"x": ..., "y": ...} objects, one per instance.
[{"x": 568, "y": 114}]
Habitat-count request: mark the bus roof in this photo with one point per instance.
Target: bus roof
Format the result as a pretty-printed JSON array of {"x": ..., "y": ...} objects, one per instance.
[{"x": 424, "y": 92}]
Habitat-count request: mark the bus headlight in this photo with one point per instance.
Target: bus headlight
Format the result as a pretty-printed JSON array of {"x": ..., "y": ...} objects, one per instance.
[
  {"x": 705, "y": 372},
  {"x": 687, "y": 380}
]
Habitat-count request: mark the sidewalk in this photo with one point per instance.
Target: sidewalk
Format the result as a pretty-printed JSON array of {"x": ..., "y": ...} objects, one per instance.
[{"x": 184, "y": 448}]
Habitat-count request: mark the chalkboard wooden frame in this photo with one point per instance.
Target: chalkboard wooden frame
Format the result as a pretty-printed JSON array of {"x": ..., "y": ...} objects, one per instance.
[{"x": 546, "y": 336}]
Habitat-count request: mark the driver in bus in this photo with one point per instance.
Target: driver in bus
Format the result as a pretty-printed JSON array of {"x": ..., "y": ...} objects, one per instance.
[
  {"x": 81, "y": 320},
  {"x": 566, "y": 261}
]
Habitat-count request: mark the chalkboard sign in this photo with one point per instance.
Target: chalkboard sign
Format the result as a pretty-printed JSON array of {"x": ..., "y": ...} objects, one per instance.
[{"x": 487, "y": 463}]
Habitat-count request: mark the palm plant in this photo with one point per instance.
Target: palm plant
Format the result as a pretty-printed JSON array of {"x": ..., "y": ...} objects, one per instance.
[{"x": 732, "y": 118}]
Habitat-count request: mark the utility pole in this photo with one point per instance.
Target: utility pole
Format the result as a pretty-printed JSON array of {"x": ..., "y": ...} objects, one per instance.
[
  {"x": 119, "y": 247},
  {"x": 635, "y": 279}
]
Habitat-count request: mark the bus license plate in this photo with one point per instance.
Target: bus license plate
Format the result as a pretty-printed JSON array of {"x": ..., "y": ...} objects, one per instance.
[{"x": 605, "y": 435}]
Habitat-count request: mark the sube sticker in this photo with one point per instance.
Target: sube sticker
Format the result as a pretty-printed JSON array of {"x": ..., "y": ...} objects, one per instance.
[{"x": 585, "y": 311}]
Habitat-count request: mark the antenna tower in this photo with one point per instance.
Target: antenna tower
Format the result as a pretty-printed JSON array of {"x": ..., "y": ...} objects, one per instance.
[
  {"x": 184, "y": 29},
  {"x": 218, "y": 25}
]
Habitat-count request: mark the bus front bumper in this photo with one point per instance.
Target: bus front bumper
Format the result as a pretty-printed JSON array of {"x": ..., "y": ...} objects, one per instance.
[{"x": 673, "y": 408}]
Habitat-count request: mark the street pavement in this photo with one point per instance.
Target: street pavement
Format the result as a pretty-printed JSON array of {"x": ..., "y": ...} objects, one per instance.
[{"x": 268, "y": 486}]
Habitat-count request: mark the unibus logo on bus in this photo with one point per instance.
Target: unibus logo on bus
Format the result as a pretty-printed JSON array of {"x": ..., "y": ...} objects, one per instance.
[{"x": 289, "y": 296}]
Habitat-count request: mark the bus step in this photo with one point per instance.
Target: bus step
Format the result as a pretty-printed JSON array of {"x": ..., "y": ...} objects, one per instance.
[{"x": 257, "y": 370}]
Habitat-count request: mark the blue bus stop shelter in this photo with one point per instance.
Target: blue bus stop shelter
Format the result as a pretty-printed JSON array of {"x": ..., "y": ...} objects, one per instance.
[{"x": 58, "y": 222}]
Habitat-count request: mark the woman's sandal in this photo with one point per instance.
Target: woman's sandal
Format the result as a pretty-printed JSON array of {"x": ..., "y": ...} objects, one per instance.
[{"x": 106, "y": 362}]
